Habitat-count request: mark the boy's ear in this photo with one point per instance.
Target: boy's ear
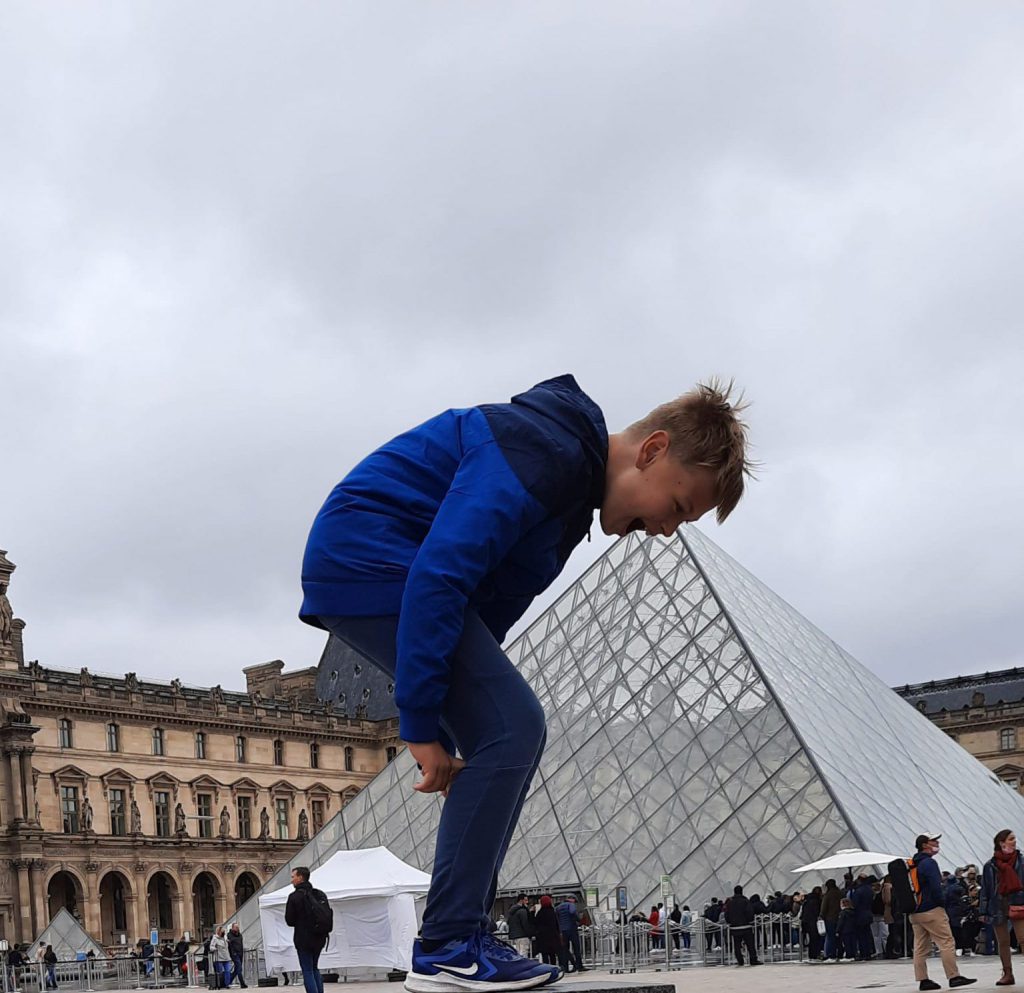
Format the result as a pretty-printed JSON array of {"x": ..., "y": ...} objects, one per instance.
[{"x": 651, "y": 449}]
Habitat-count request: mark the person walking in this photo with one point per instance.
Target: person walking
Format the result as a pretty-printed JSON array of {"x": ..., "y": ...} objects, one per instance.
[
  {"x": 930, "y": 922},
  {"x": 221, "y": 959},
  {"x": 549, "y": 938},
  {"x": 236, "y": 948},
  {"x": 309, "y": 914},
  {"x": 50, "y": 961},
  {"x": 569, "y": 928},
  {"x": 740, "y": 919},
  {"x": 1002, "y": 898},
  {"x": 521, "y": 929}
]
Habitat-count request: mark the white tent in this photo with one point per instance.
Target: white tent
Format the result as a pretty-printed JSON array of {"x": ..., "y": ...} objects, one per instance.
[{"x": 377, "y": 901}]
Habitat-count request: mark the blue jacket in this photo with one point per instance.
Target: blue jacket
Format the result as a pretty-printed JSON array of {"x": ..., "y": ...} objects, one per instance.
[
  {"x": 862, "y": 897},
  {"x": 479, "y": 508},
  {"x": 930, "y": 880},
  {"x": 568, "y": 917}
]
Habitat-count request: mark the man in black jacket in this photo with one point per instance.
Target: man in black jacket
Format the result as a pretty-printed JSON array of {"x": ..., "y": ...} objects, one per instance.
[
  {"x": 298, "y": 914},
  {"x": 520, "y": 925},
  {"x": 236, "y": 949},
  {"x": 740, "y": 918}
]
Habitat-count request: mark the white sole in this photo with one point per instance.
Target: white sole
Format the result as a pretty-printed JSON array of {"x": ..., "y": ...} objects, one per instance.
[{"x": 416, "y": 982}]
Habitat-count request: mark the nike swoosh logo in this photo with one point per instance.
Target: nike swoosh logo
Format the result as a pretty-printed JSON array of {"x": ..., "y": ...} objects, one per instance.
[{"x": 462, "y": 970}]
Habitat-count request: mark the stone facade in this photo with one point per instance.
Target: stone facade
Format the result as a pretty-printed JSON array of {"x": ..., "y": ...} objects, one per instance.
[
  {"x": 140, "y": 804},
  {"x": 984, "y": 713}
]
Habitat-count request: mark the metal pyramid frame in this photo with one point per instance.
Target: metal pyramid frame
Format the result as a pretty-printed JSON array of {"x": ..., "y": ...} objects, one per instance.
[{"x": 698, "y": 728}]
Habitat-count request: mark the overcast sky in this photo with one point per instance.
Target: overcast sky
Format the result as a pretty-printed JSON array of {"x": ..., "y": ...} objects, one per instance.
[{"x": 241, "y": 244}]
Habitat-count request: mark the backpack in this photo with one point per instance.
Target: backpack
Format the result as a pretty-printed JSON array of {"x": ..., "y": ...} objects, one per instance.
[
  {"x": 906, "y": 888},
  {"x": 321, "y": 917}
]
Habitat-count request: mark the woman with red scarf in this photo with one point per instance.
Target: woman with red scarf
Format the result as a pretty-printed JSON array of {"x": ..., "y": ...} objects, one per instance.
[{"x": 1002, "y": 898}]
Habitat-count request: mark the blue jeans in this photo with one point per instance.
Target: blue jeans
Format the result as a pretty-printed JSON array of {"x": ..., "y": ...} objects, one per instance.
[
  {"x": 223, "y": 969},
  {"x": 236, "y": 970},
  {"x": 309, "y": 963},
  {"x": 830, "y": 939},
  {"x": 497, "y": 724}
]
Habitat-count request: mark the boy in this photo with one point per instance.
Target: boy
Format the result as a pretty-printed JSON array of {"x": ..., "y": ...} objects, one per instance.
[{"x": 426, "y": 554}]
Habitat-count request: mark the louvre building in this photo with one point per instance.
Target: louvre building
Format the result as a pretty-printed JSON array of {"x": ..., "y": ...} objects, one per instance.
[{"x": 700, "y": 728}]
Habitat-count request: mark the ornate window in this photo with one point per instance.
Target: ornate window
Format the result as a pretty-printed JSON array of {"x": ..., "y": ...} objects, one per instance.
[
  {"x": 314, "y": 755},
  {"x": 118, "y": 823},
  {"x": 64, "y": 734},
  {"x": 158, "y": 741},
  {"x": 281, "y": 817},
  {"x": 162, "y": 809},
  {"x": 349, "y": 758},
  {"x": 278, "y": 752},
  {"x": 244, "y": 807},
  {"x": 69, "y": 809},
  {"x": 113, "y": 738},
  {"x": 200, "y": 744},
  {"x": 239, "y": 747},
  {"x": 204, "y": 808},
  {"x": 1008, "y": 739}
]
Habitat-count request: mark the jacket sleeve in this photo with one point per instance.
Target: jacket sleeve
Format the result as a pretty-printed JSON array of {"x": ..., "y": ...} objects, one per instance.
[
  {"x": 484, "y": 512},
  {"x": 290, "y": 916}
]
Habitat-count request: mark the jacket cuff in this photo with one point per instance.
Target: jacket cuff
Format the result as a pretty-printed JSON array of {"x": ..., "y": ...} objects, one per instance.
[{"x": 419, "y": 726}]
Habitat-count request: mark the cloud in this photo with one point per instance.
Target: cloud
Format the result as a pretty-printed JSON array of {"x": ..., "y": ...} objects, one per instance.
[{"x": 240, "y": 249}]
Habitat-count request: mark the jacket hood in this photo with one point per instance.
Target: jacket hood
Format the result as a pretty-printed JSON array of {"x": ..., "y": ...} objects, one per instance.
[{"x": 563, "y": 401}]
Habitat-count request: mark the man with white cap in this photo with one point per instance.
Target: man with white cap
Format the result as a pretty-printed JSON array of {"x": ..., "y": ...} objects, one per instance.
[{"x": 931, "y": 922}]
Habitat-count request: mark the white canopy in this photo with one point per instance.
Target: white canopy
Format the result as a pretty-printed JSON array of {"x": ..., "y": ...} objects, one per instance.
[
  {"x": 847, "y": 858},
  {"x": 377, "y": 901}
]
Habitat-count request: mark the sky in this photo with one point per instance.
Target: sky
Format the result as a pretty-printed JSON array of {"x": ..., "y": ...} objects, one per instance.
[{"x": 242, "y": 244}]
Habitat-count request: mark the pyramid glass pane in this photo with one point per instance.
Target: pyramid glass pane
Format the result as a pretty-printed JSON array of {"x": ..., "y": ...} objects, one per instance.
[{"x": 698, "y": 727}]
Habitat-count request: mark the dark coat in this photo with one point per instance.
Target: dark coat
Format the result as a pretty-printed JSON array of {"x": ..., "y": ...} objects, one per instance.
[
  {"x": 298, "y": 914},
  {"x": 520, "y": 923},
  {"x": 863, "y": 895},
  {"x": 738, "y": 912},
  {"x": 956, "y": 902},
  {"x": 811, "y": 910},
  {"x": 830, "y": 904},
  {"x": 235, "y": 944},
  {"x": 549, "y": 938}
]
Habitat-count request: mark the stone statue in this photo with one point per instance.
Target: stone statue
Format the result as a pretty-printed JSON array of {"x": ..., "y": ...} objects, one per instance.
[
  {"x": 225, "y": 823},
  {"x": 6, "y": 617},
  {"x": 131, "y": 680},
  {"x": 86, "y": 815},
  {"x": 85, "y": 677},
  {"x": 303, "y": 825},
  {"x": 176, "y": 687},
  {"x": 180, "y": 827},
  {"x": 264, "y": 824},
  {"x": 136, "y": 816},
  {"x": 217, "y": 694}
]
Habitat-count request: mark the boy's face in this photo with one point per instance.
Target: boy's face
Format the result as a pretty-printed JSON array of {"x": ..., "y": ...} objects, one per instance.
[{"x": 653, "y": 491}]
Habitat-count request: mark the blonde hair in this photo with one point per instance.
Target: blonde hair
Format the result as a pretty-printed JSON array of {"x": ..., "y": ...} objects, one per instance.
[{"x": 704, "y": 429}]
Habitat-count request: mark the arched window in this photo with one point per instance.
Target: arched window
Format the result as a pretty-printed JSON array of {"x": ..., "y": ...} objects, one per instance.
[
  {"x": 349, "y": 756},
  {"x": 278, "y": 752},
  {"x": 1008, "y": 739},
  {"x": 64, "y": 733},
  {"x": 113, "y": 738},
  {"x": 158, "y": 741},
  {"x": 314, "y": 755}
]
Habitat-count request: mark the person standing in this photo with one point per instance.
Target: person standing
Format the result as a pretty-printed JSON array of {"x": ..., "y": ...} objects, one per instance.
[
  {"x": 181, "y": 956},
  {"x": 740, "y": 919},
  {"x": 810, "y": 911},
  {"x": 862, "y": 898},
  {"x": 308, "y": 912},
  {"x": 520, "y": 926},
  {"x": 830, "y": 915},
  {"x": 686, "y": 923},
  {"x": 50, "y": 961},
  {"x": 221, "y": 959},
  {"x": 569, "y": 929},
  {"x": 236, "y": 949},
  {"x": 1002, "y": 890},
  {"x": 549, "y": 938},
  {"x": 930, "y": 922}
]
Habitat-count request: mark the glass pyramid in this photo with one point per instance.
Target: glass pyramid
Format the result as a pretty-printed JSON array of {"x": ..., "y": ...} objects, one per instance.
[
  {"x": 700, "y": 728},
  {"x": 68, "y": 937}
]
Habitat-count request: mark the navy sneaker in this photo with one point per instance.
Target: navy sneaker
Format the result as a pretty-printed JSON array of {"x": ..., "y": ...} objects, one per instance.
[{"x": 479, "y": 962}]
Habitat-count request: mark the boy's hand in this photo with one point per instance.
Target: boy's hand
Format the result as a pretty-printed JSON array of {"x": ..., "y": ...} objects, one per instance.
[{"x": 438, "y": 767}]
